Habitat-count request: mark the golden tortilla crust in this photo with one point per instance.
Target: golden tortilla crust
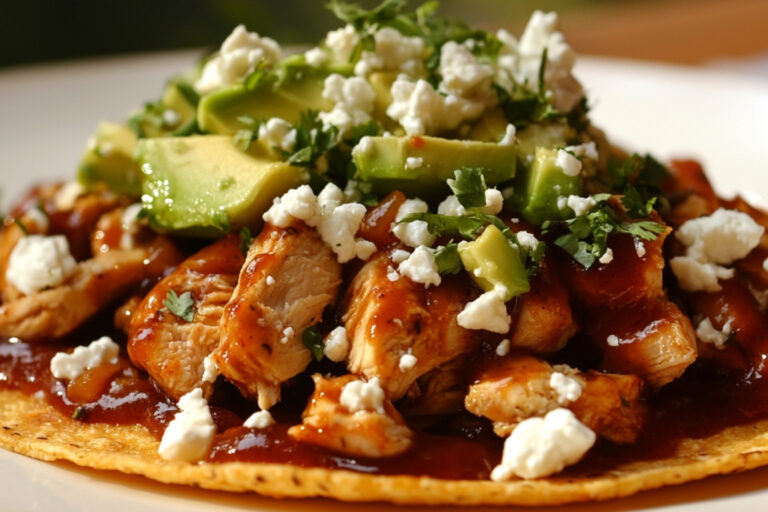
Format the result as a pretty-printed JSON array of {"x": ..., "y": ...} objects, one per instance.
[{"x": 30, "y": 426}]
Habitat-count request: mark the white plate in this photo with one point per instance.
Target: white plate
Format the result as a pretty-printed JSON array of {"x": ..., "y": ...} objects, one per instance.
[{"x": 48, "y": 112}]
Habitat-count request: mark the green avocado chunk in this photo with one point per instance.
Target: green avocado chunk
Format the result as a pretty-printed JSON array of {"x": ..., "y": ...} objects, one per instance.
[
  {"x": 541, "y": 187},
  {"x": 494, "y": 263},
  {"x": 109, "y": 159},
  {"x": 219, "y": 112},
  {"x": 174, "y": 114},
  {"x": 420, "y": 166},
  {"x": 203, "y": 185}
]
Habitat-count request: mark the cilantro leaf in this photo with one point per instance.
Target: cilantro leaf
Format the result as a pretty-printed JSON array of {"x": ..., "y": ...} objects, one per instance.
[
  {"x": 245, "y": 241},
  {"x": 463, "y": 226},
  {"x": 447, "y": 259},
  {"x": 314, "y": 342},
  {"x": 182, "y": 306},
  {"x": 312, "y": 140},
  {"x": 79, "y": 413},
  {"x": 469, "y": 186}
]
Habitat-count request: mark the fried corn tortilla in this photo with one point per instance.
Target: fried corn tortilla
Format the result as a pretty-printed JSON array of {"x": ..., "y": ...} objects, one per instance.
[{"x": 32, "y": 427}]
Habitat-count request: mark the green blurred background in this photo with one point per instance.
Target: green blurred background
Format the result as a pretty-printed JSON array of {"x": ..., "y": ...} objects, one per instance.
[{"x": 671, "y": 30}]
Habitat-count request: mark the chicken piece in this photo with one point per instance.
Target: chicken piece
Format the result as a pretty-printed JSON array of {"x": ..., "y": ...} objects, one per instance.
[
  {"x": 438, "y": 392},
  {"x": 386, "y": 320},
  {"x": 653, "y": 339},
  {"x": 688, "y": 178},
  {"x": 95, "y": 284},
  {"x": 373, "y": 431},
  {"x": 170, "y": 348},
  {"x": 377, "y": 223},
  {"x": 519, "y": 387},
  {"x": 289, "y": 278},
  {"x": 544, "y": 322}
]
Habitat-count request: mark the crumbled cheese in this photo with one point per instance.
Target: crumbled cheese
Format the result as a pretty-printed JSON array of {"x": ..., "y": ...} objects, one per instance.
[
  {"x": 270, "y": 280},
  {"x": 711, "y": 242},
  {"x": 336, "y": 345},
  {"x": 421, "y": 267},
  {"x": 586, "y": 150},
  {"x": 612, "y": 340},
  {"x": 210, "y": 369},
  {"x": 407, "y": 361},
  {"x": 38, "y": 218},
  {"x": 364, "y": 249},
  {"x": 170, "y": 117},
  {"x": 392, "y": 274},
  {"x": 707, "y": 333},
  {"x": 579, "y": 205},
  {"x": 259, "y": 420},
  {"x": 509, "y": 136},
  {"x": 488, "y": 312},
  {"x": 520, "y": 61},
  {"x": 464, "y": 76},
  {"x": 239, "y": 55},
  {"x": 188, "y": 437},
  {"x": 361, "y": 396},
  {"x": 67, "y": 195},
  {"x": 393, "y": 52},
  {"x": 298, "y": 203},
  {"x": 639, "y": 248},
  {"x": 420, "y": 109},
  {"x": 316, "y": 57},
  {"x": 70, "y": 366},
  {"x": 278, "y": 133},
  {"x": 416, "y": 233},
  {"x": 543, "y": 446},
  {"x": 353, "y": 102},
  {"x": 38, "y": 262},
  {"x": 287, "y": 335},
  {"x": 570, "y": 165},
  {"x": 414, "y": 162},
  {"x": 607, "y": 257},
  {"x": 567, "y": 388},
  {"x": 527, "y": 240},
  {"x": 399, "y": 255},
  {"x": 451, "y": 206},
  {"x": 494, "y": 202},
  {"x": 342, "y": 42},
  {"x": 502, "y": 349}
]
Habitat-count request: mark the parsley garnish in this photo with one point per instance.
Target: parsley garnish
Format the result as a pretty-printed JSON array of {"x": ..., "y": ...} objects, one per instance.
[
  {"x": 639, "y": 179},
  {"x": 245, "y": 240},
  {"x": 314, "y": 342},
  {"x": 448, "y": 260},
  {"x": 587, "y": 237},
  {"x": 182, "y": 306},
  {"x": 469, "y": 186},
  {"x": 312, "y": 140}
]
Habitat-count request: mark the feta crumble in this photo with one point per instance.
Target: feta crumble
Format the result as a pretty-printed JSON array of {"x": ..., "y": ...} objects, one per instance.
[
  {"x": 567, "y": 388},
  {"x": 416, "y": 233},
  {"x": 71, "y": 366},
  {"x": 279, "y": 133},
  {"x": 488, "y": 312},
  {"x": 711, "y": 242},
  {"x": 342, "y": 41},
  {"x": 527, "y": 240},
  {"x": 259, "y": 420},
  {"x": 270, "y": 280},
  {"x": 316, "y": 57},
  {"x": 579, "y": 205},
  {"x": 414, "y": 162},
  {"x": 392, "y": 274},
  {"x": 494, "y": 202},
  {"x": 570, "y": 165},
  {"x": 239, "y": 55},
  {"x": 188, "y": 437},
  {"x": 544, "y": 446},
  {"x": 421, "y": 267},
  {"x": 353, "y": 98},
  {"x": 170, "y": 117},
  {"x": 503, "y": 348},
  {"x": 399, "y": 255},
  {"x": 607, "y": 257},
  {"x": 336, "y": 345},
  {"x": 287, "y": 335},
  {"x": 38, "y": 262},
  {"x": 407, "y": 361},
  {"x": 612, "y": 340},
  {"x": 67, "y": 195},
  {"x": 639, "y": 248},
  {"x": 463, "y": 76},
  {"x": 38, "y": 218},
  {"x": 451, "y": 206},
  {"x": 361, "y": 396},
  {"x": 210, "y": 369},
  {"x": 393, "y": 52},
  {"x": 707, "y": 333}
]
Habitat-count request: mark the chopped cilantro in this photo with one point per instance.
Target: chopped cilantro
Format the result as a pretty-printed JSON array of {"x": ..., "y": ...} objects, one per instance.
[
  {"x": 312, "y": 140},
  {"x": 245, "y": 241},
  {"x": 469, "y": 186},
  {"x": 314, "y": 342},
  {"x": 447, "y": 259},
  {"x": 639, "y": 179},
  {"x": 182, "y": 306}
]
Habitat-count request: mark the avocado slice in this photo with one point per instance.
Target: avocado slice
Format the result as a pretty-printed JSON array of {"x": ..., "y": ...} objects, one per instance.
[
  {"x": 384, "y": 162},
  {"x": 203, "y": 185},
  {"x": 542, "y": 185},
  {"x": 109, "y": 159},
  {"x": 178, "y": 97},
  {"x": 219, "y": 112},
  {"x": 493, "y": 262}
]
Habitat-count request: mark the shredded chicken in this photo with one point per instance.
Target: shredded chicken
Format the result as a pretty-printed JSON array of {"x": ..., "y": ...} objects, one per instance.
[
  {"x": 387, "y": 320},
  {"x": 289, "y": 278},
  {"x": 438, "y": 392},
  {"x": 369, "y": 433},
  {"x": 520, "y": 387},
  {"x": 170, "y": 348}
]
